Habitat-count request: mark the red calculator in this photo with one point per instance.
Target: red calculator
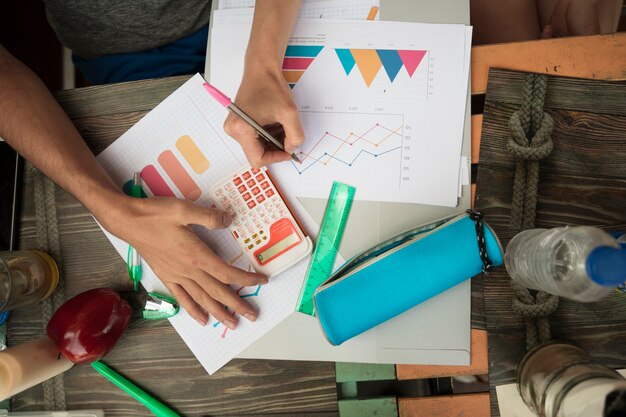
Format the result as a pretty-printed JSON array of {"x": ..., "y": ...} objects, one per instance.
[{"x": 263, "y": 225}]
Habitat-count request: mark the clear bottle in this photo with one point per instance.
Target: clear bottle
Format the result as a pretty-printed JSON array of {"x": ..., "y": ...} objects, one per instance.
[
  {"x": 582, "y": 263},
  {"x": 558, "y": 379}
]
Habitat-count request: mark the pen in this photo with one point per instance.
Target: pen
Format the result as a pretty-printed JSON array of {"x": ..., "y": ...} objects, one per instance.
[
  {"x": 155, "y": 406},
  {"x": 227, "y": 102},
  {"x": 133, "y": 260}
]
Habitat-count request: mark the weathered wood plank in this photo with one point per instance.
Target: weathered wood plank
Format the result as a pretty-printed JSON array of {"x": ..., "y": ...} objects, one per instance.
[
  {"x": 598, "y": 57},
  {"x": 564, "y": 93},
  {"x": 578, "y": 135},
  {"x": 582, "y": 182},
  {"x": 128, "y": 97},
  {"x": 466, "y": 405}
]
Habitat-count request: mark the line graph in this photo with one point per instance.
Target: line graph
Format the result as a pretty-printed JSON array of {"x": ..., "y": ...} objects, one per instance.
[
  {"x": 370, "y": 151},
  {"x": 369, "y": 137},
  {"x": 372, "y": 136}
]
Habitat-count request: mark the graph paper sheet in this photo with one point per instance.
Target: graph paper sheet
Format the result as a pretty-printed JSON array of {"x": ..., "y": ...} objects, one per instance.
[
  {"x": 333, "y": 9},
  {"x": 305, "y": 5},
  {"x": 181, "y": 150},
  {"x": 382, "y": 105}
]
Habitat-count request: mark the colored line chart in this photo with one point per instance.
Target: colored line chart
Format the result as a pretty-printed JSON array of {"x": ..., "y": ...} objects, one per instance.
[
  {"x": 373, "y": 136},
  {"x": 370, "y": 61}
]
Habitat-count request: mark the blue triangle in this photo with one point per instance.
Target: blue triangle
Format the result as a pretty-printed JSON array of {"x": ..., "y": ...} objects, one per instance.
[
  {"x": 346, "y": 59},
  {"x": 391, "y": 62}
]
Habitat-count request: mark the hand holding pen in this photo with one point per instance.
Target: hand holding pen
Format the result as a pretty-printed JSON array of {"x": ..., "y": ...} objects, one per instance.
[{"x": 267, "y": 102}]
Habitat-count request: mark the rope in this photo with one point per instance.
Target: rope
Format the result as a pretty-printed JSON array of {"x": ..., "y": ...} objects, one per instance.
[
  {"x": 48, "y": 241},
  {"x": 530, "y": 142},
  {"x": 530, "y": 121}
]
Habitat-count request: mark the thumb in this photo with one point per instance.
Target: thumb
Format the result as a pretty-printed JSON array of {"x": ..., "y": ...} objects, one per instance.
[
  {"x": 294, "y": 134},
  {"x": 209, "y": 217}
]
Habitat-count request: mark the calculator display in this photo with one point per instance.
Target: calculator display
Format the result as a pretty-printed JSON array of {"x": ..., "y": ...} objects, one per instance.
[
  {"x": 283, "y": 235},
  {"x": 278, "y": 248}
]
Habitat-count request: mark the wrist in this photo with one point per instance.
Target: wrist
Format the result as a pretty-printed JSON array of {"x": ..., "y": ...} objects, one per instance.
[
  {"x": 261, "y": 65},
  {"x": 112, "y": 208}
]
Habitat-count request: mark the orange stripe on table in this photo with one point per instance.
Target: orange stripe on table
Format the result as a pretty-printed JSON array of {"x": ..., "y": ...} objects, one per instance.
[{"x": 179, "y": 176}]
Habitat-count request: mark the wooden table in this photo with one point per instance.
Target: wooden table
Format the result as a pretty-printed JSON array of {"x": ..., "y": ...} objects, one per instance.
[
  {"x": 582, "y": 182},
  {"x": 153, "y": 355}
]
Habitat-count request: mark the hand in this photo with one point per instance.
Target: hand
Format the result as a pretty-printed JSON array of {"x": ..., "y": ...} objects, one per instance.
[
  {"x": 266, "y": 97},
  {"x": 159, "y": 228}
]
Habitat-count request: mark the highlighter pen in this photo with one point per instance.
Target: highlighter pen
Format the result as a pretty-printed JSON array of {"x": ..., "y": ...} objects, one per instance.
[
  {"x": 227, "y": 102},
  {"x": 155, "y": 406},
  {"x": 133, "y": 259}
]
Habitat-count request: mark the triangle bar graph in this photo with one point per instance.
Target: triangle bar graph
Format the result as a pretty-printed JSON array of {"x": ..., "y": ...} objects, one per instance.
[
  {"x": 370, "y": 61},
  {"x": 297, "y": 60}
]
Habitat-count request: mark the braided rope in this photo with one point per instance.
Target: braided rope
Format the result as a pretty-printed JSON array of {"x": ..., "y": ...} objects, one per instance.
[
  {"x": 48, "y": 241},
  {"x": 529, "y": 142}
]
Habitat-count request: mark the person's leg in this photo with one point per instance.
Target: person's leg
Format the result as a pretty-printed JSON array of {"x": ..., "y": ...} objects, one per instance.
[
  {"x": 504, "y": 20},
  {"x": 185, "y": 56},
  {"x": 578, "y": 17}
]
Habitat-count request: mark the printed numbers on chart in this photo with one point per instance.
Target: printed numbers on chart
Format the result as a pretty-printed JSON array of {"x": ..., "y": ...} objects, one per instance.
[{"x": 430, "y": 81}]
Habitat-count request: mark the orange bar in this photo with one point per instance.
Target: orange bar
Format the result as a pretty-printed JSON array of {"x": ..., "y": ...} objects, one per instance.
[
  {"x": 192, "y": 154},
  {"x": 478, "y": 363},
  {"x": 462, "y": 405},
  {"x": 477, "y": 128},
  {"x": 600, "y": 57},
  {"x": 292, "y": 76},
  {"x": 373, "y": 12},
  {"x": 179, "y": 176}
]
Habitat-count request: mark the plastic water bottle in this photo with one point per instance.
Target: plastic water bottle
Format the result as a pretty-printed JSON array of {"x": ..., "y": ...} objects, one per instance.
[{"x": 582, "y": 263}]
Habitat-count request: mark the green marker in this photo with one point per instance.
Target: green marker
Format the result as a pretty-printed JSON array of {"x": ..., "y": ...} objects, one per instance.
[
  {"x": 133, "y": 260},
  {"x": 155, "y": 406}
]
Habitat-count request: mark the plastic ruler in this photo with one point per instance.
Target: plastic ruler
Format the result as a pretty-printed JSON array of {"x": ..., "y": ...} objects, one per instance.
[{"x": 328, "y": 241}]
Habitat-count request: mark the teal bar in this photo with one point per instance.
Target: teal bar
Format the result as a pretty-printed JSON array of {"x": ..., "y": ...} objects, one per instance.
[{"x": 308, "y": 51}]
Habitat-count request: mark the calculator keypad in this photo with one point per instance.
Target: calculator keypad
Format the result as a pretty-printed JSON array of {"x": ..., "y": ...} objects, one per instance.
[{"x": 252, "y": 201}]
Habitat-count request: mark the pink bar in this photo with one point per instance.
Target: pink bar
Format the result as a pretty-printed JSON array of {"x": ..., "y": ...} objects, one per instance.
[
  {"x": 297, "y": 63},
  {"x": 155, "y": 182},
  {"x": 179, "y": 175}
]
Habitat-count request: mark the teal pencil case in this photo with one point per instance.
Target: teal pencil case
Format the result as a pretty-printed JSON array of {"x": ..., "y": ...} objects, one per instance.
[{"x": 404, "y": 271}]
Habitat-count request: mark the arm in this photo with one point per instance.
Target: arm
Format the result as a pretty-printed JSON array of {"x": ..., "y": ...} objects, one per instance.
[
  {"x": 33, "y": 124},
  {"x": 264, "y": 94}
]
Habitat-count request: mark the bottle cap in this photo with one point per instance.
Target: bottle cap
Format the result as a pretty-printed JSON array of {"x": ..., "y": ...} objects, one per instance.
[{"x": 606, "y": 265}]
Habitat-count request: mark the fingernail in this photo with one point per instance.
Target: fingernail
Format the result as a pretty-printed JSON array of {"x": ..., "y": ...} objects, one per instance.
[
  {"x": 264, "y": 281},
  {"x": 250, "y": 316},
  {"x": 230, "y": 324},
  {"x": 226, "y": 219},
  {"x": 203, "y": 321}
]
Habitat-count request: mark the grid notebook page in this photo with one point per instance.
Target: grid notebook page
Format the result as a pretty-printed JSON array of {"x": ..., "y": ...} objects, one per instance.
[
  {"x": 181, "y": 151},
  {"x": 332, "y": 9}
]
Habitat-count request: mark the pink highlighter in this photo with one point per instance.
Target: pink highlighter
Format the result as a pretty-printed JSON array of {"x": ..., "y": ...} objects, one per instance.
[{"x": 262, "y": 133}]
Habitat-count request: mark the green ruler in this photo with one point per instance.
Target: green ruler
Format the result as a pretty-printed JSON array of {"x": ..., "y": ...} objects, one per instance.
[{"x": 328, "y": 241}]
